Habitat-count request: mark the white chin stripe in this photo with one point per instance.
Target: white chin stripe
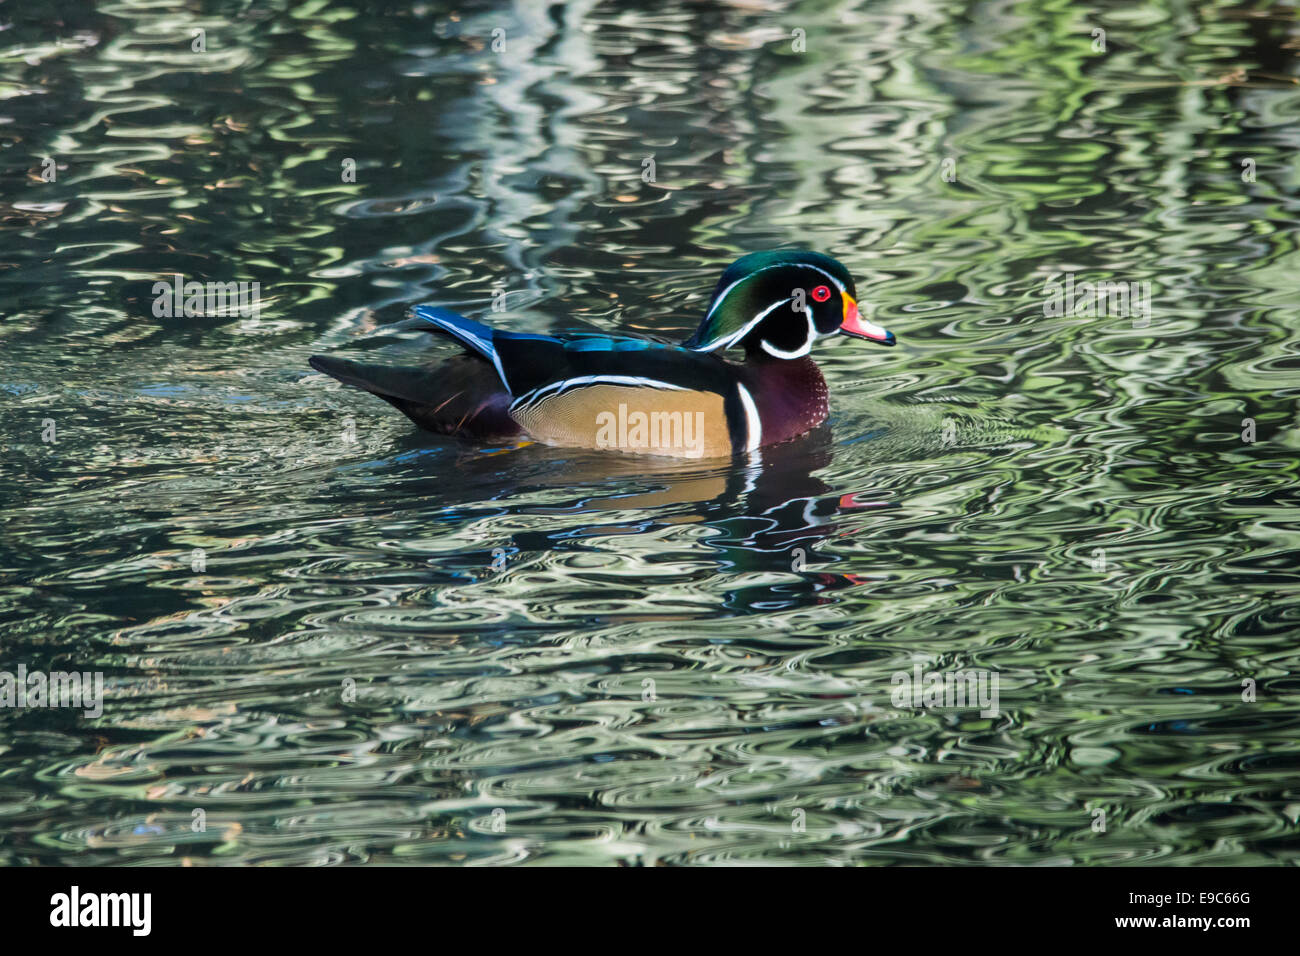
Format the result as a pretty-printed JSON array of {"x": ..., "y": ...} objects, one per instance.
[{"x": 802, "y": 350}]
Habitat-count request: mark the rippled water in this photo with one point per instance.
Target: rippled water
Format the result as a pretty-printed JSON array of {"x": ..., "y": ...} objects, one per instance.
[{"x": 570, "y": 657}]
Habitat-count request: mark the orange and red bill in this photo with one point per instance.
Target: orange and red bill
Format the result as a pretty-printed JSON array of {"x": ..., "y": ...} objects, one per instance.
[{"x": 854, "y": 324}]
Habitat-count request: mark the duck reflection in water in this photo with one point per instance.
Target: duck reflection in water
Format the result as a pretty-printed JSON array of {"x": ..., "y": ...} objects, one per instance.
[{"x": 770, "y": 511}]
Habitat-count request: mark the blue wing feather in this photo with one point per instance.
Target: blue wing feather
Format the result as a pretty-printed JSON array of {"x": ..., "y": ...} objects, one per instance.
[
  {"x": 525, "y": 361},
  {"x": 475, "y": 336}
]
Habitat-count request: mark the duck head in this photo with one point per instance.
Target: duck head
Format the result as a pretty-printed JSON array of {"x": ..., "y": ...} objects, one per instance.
[{"x": 776, "y": 304}]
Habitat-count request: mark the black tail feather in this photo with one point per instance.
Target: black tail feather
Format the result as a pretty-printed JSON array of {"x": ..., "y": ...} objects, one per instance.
[{"x": 461, "y": 396}]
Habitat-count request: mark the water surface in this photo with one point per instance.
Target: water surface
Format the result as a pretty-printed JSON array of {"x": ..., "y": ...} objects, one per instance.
[{"x": 345, "y": 641}]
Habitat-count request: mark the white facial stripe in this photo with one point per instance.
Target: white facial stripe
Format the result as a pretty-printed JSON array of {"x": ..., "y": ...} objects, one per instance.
[
  {"x": 834, "y": 281},
  {"x": 753, "y": 426},
  {"x": 735, "y": 337},
  {"x": 538, "y": 394},
  {"x": 725, "y": 292}
]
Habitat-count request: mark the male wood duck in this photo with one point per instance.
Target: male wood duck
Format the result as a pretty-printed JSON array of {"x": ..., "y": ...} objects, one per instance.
[{"x": 589, "y": 390}]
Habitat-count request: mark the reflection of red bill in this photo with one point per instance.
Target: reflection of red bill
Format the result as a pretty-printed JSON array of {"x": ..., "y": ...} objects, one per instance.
[
  {"x": 851, "y": 501},
  {"x": 854, "y": 324}
]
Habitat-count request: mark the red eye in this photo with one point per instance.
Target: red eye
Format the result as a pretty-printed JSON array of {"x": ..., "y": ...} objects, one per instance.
[{"x": 821, "y": 293}]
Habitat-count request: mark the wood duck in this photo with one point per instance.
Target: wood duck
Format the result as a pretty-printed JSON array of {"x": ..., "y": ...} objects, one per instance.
[{"x": 589, "y": 390}]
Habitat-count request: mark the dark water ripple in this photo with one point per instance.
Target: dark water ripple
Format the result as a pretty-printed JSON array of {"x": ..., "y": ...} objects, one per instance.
[{"x": 398, "y": 649}]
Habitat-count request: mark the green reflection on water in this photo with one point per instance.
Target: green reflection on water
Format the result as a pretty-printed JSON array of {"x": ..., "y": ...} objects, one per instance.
[{"x": 636, "y": 662}]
